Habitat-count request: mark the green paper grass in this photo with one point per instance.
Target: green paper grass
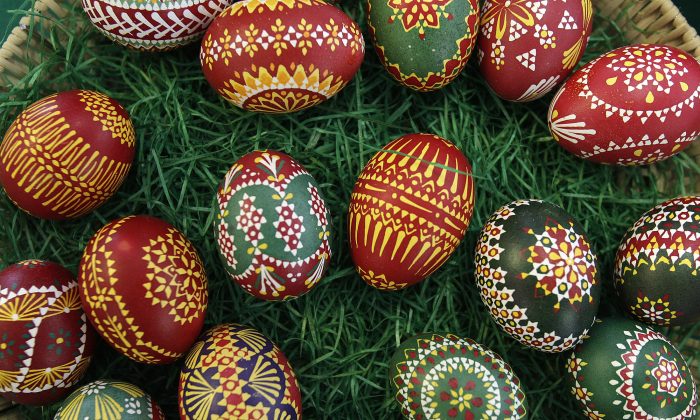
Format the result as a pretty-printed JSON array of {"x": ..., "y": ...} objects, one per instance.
[{"x": 340, "y": 336}]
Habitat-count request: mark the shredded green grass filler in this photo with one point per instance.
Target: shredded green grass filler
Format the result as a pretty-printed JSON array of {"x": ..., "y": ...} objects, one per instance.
[{"x": 340, "y": 336}]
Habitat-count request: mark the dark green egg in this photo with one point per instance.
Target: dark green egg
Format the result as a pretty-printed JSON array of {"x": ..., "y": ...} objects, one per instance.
[
  {"x": 626, "y": 370},
  {"x": 537, "y": 275},
  {"x": 442, "y": 376}
]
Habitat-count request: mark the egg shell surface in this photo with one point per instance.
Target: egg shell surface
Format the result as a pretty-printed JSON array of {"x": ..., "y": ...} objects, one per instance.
[{"x": 113, "y": 400}]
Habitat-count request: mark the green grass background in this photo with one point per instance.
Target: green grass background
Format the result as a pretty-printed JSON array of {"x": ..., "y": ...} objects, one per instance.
[{"x": 338, "y": 337}]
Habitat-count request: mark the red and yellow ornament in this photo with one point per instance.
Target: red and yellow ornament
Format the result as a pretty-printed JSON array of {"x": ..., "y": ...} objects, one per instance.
[
  {"x": 66, "y": 154},
  {"x": 144, "y": 288},
  {"x": 409, "y": 210}
]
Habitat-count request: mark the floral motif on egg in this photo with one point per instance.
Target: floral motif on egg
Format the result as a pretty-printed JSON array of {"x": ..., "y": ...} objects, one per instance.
[
  {"x": 432, "y": 22},
  {"x": 235, "y": 371},
  {"x": 657, "y": 266},
  {"x": 111, "y": 400},
  {"x": 436, "y": 376},
  {"x": 153, "y": 25},
  {"x": 273, "y": 228},
  {"x": 662, "y": 91},
  {"x": 556, "y": 261},
  {"x": 46, "y": 343},
  {"x": 524, "y": 33},
  {"x": 282, "y": 40},
  {"x": 647, "y": 375}
]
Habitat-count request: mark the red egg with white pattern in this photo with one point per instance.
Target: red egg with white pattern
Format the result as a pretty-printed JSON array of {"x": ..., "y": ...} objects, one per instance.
[
  {"x": 527, "y": 47},
  {"x": 631, "y": 106}
]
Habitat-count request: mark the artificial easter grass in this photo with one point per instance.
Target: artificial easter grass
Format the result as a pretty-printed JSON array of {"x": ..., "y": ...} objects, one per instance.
[{"x": 340, "y": 336}]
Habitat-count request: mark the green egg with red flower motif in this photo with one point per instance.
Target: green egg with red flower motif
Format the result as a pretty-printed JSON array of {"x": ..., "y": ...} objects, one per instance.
[
  {"x": 626, "y": 370},
  {"x": 442, "y": 376},
  {"x": 423, "y": 44}
]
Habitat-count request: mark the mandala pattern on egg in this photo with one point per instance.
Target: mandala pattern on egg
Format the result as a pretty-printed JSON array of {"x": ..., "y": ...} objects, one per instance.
[
  {"x": 273, "y": 227},
  {"x": 42, "y": 357},
  {"x": 236, "y": 372},
  {"x": 661, "y": 382},
  {"x": 448, "y": 375},
  {"x": 560, "y": 262},
  {"x": 666, "y": 239}
]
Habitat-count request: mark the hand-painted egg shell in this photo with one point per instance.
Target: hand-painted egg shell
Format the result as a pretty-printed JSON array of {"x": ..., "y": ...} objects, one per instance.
[
  {"x": 66, "y": 154},
  {"x": 144, "y": 288},
  {"x": 153, "y": 25},
  {"x": 527, "y": 47},
  {"x": 632, "y": 106},
  {"x": 244, "y": 372},
  {"x": 113, "y": 400},
  {"x": 409, "y": 210},
  {"x": 424, "y": 45},
  {"x": 273, "y": 226},
  {"x": 657, "y": 264},
  {"x": 626, "y": 370},
  {"x": 279, "y": 56},
  {"x": 46, "y": 342},
  {"x": 537, "y": 275},
  {"x": 442, "y": 376}
]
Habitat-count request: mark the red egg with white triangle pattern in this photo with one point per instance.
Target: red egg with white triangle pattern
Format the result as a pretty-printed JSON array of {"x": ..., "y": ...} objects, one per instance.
[
  {"x": 527, "y": 47},
  {"x": 631, "y": 106}
]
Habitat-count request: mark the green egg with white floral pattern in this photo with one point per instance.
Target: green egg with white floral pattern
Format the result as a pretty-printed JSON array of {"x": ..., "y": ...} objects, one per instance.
[
  {"x": 113, "y": 400},
  {"x": 626, "y": 370},
  {"x": 423, "y": 45},
  {"x": 443, "y": 376}
]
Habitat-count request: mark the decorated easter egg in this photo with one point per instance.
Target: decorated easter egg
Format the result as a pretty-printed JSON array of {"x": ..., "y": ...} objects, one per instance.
[
  {"x": 632, "y": 106},
  {"x": 281, "y": 55},
  {"x": 424, "y": 45},
  {"x": 409, "y": 210},
  {"x": 442, "y": 376},
  {"x": 144, "y": 289},
  {"x": 235, "y": 372},
  {"x": 656, "y": 269},
  {"x": 626, "y": 370},
  {"x": 537, "y": 275},
  {"x": 153, "y": 25},
  {"x": 113, "y": 400},
  {"x": 66, "y": 154},
  {"x": 273, "y": 226},
  {"x": 526, "y": 47},
  {"x": 46, "y": 342}
]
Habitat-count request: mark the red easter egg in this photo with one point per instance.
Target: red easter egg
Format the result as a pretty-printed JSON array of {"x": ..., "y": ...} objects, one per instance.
[
  {"x": 66, "y": 154},
  {"x": 409, "y": 210},
  {"x": 527, "y": 47},
  {"x": 153, "y": 25},
  {"x": 632, "y": 106},
  {"x": 144, "y": 288},
  {"x": 281, "y": 55},
  {"x": 46, "y": 342}
]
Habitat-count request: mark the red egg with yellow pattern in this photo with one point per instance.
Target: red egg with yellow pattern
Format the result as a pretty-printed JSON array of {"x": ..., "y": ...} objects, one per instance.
[
  {"x": 631, "y": 106},
  {"x": 280, "y": 56},
  {"x": 144, "y": 288},
  {"x": 66, "y": 154},
  {"x": 527, "y": 47},
  {"x": 46, "y": 342},
  {"x": 409, "y": 210}
]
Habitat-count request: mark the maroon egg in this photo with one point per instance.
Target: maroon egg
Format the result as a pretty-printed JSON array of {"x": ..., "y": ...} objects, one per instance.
[
  {"x": 66, "y": 154},
  {"x": 46, "y": 342},
  {"x": 527, "y": 47},
  {"x": 632, "y": 106},
  {"x": 144, "y": 288},
  {"x": 280, "y": 56}
]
